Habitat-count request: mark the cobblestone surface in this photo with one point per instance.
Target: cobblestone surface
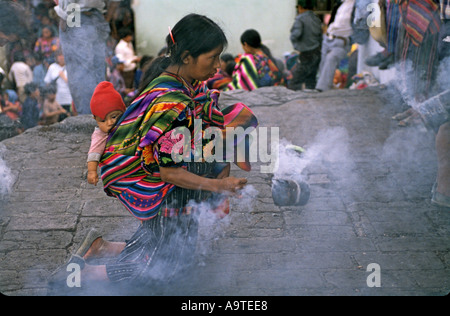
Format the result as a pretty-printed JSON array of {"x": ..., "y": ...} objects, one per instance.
[{"x": 370, "y": 203}]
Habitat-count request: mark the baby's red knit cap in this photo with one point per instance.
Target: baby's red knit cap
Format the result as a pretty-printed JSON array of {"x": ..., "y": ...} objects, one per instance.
[{"x": 106, "y": 100}]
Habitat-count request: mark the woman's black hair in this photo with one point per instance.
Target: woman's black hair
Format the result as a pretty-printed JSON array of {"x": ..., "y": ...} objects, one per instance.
[
  {"x": 195, "y": 34},
  {"x": 30, "y": 88},
  {"x": 227, "y": 57},
  {"x": 124, "y": 32},
  {"x": 252, "y": 38},
  {"x": 50, "y": 89},
  {"x": 307, "y": 4}
]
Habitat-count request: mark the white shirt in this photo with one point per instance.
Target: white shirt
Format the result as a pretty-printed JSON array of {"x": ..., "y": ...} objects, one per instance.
[
  {"x": 125, "y": 52},
  {"x": 342, "y": 25},
  {"x": 63, "y": 96},
  {"x": 85, "y": 5},
  {"x": 21, "y": 73}
]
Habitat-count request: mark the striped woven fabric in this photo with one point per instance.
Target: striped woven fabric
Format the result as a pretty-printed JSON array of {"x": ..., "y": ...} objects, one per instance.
[
  {"x": 129, "y": 167},
  {"x": 245, "y": 75},
  {"x": 220, "y": 80},
  {"x": 419, "y": 16},
  {"x": 393, "y": 20}
]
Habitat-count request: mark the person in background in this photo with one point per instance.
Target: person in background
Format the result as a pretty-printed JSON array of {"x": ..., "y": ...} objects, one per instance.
[
  {"x": 84, "y": 47},
  {"x": 116, "y": 77},
  {"x": 48, "y": 44},
  {"x": 53, "y": 112},
  {"x": 40, "y": 70},
  {"x": 384, "y": 59},
  {"x": 31, "y": 107},
  {"x": 45, "y": 21},
  {"x": 223, "y": 76},
  {"x": 2, "y": 77},
  {"x": 57, "y": 76},
  {"x": 125, "y": 51},
  {"x": 21, "y": 74},
  {"x": 417, "y": 54},
  {"x": 335, "y": 45},
  {"x": 444, "y": 38},
  {"x": 10, "y": 105},
  {"x": 306, "y": 37},
  {"x": 441, "y": 190},
  {"x": 14, "y": 23},
  {"x": 256, "y": 67}
]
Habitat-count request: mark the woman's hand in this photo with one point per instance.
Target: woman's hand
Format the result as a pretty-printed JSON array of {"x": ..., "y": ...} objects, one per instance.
[{"x": 187, "y": 180}]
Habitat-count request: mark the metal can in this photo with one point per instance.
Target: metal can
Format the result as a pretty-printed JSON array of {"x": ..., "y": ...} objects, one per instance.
[{"x": 290, "y": 192}]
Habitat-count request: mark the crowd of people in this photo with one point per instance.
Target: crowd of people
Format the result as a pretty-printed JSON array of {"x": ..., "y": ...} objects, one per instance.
[
  {"x": 36, "y": 87},
  {"x": 323, "y": 48}
]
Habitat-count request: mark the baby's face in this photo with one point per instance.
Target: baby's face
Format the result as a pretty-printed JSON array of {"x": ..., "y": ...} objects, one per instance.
[{"x": 110, "y": 120}]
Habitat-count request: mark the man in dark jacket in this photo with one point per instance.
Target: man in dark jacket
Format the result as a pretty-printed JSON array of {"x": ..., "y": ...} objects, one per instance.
[{"x": 306, "y": 37}]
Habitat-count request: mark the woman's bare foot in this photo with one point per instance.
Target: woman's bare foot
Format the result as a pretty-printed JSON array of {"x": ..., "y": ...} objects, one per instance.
[
  {"x": 403, "y": 115},
  {"x": 407, "y": 118}
]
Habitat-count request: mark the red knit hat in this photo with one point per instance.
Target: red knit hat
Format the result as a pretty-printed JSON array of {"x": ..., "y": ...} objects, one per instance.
[{"x": 106, "y": 100}]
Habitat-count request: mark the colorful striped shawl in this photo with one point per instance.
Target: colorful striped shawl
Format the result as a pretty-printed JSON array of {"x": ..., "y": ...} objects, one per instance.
[
  {"x": 128, "y": 168},
  {"x": 219, "y": 81},
  {"x": 255, "y": 71}
]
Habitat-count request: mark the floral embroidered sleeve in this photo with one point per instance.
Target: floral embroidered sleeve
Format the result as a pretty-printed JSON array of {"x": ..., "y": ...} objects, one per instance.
[{"x": 168, "y": 149}]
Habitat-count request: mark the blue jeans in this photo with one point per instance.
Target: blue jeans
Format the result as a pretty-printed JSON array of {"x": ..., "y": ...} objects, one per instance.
[{"x": 333, "y": 52}]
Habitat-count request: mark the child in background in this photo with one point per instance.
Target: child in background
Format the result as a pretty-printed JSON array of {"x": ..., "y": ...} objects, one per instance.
[
  {"x": 11, "y": 107},
  {"x": 31, "y": 107},
  {"x": 306, "y": 38},
  {"x": 116, "y": 77},
  {"x": 107, "y": 106},
  {"x": 224, "y": 74}
]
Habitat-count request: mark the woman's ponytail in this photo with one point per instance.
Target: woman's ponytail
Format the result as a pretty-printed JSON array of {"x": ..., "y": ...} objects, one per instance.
[{"x": 156, "y": 68}]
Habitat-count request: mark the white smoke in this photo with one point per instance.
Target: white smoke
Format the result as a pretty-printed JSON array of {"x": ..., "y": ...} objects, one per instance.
[
  {"x": 212, "y": 228},
  {"x": 6, "y": 177},
  {"x": 329, "y": 146}
]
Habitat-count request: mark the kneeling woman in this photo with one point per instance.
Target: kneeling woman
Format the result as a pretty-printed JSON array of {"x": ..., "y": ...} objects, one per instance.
[{"x": 138, "y": 168}]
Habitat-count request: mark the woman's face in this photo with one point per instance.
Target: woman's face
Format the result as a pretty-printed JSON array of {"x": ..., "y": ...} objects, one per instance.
[
  {"x": 247, "y": 48},
  {"x": 204, "y": 66},
  {"x": 46, "y": 33}
]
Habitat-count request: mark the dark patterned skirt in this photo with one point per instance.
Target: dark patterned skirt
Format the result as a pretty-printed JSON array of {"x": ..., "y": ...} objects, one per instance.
[{"x": 164, "y": 245}]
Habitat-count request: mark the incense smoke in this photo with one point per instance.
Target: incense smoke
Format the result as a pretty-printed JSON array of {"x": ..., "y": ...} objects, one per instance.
[{"x": 6, "y": 176}]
